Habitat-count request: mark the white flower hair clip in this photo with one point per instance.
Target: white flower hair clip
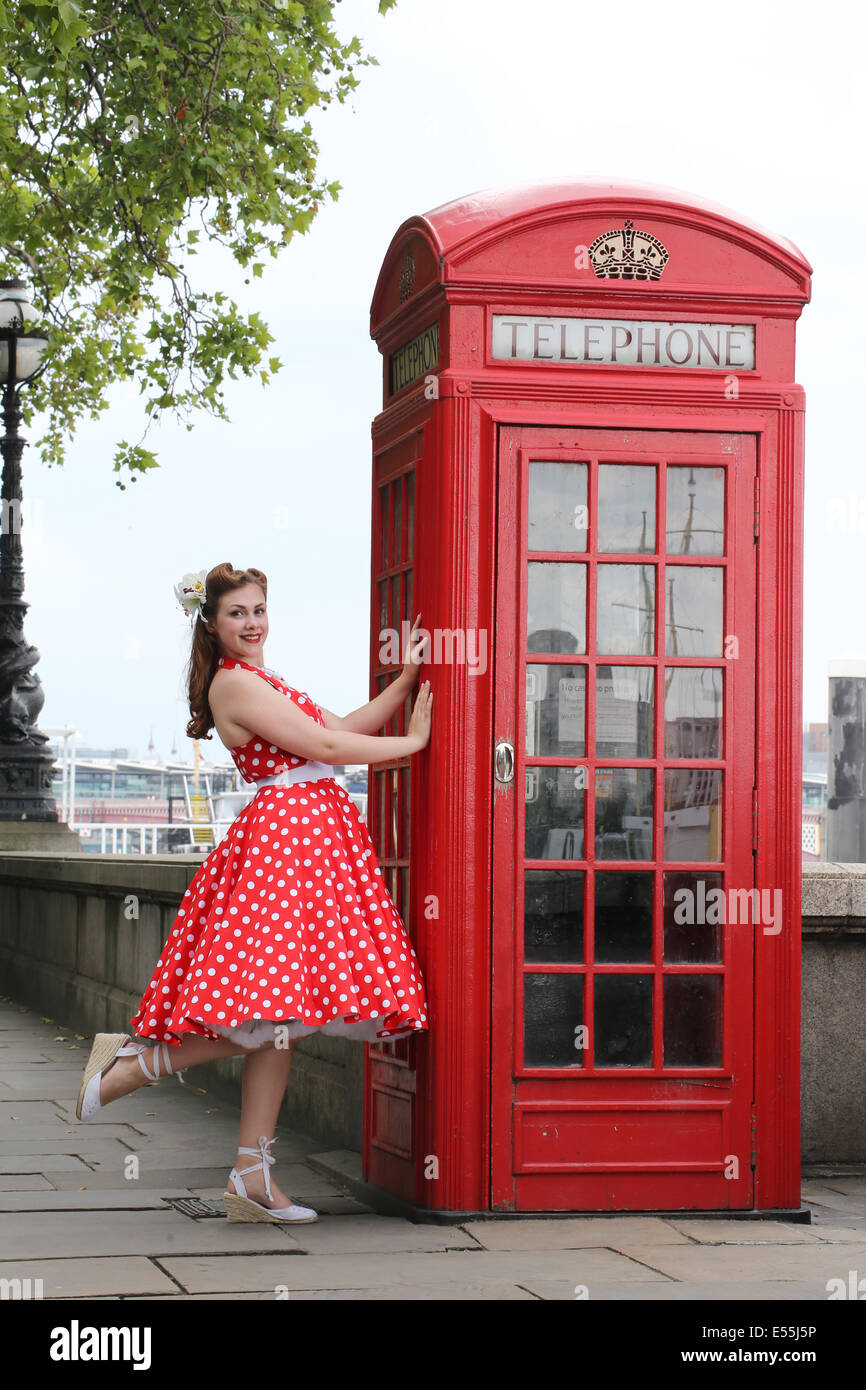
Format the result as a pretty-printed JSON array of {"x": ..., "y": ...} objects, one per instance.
[{"x": 191, "y": 593}]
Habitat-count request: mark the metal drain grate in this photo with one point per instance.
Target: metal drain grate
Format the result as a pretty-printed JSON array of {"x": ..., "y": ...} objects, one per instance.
[{"x": 196, "y": 1207}]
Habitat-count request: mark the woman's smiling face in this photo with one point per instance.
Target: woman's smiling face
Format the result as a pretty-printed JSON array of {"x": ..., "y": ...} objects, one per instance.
[{"x": 241, "y": 624}]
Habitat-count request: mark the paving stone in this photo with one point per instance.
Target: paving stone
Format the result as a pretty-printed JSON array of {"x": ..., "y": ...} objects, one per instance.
[
  {"x": 197, "y": 1125},
  {"x": 27, "y": 1110},
  {"x": 169, "y": 1177},
  {"x": 39, "y": 1235},
  {"x": 747, "y": 1292},
  {"x": 841, "y": 1235},
  {"x": 745, "y": 1232},
  {"x": 129, "y": 1109},
  {"x": 54, "y": 1129},
  {"x": 290, "y": 1176},
  {"x": 378, "y": 1234},
  {"x": 157, "y": 1160},
  {"x": 826, "y": 1216},
  {"x": 41, "y": 1163},
  {"x": 341, "y": 1161},
  {"x": 339, "y": 1205},
  {"x": 212, "y": 1274},
  {"x": 573, "y": 1233},
  {"x": 826, "y": 1219},
  {"x": 178, "y": 1146},
  {"x": 847, "y": 1187},
  {"x": 258, "y": 1297},
  {"x": 835, "y": 1201},
  {"x": 427, "y": 1293},
  {"x": 298, "y": 1175},
  {"x": 816, "y": 1184},
  {"x": 97, "y": 1278},
  {"x": 35, "y": 1052},
  {"x": 817, "y": 1262},
  {"x": 24, "y": 1182},
  {"x": 26, "y": 1054},
  {"x": 43, "y": 1081},
  {"x": 132, "y": 1198},
  {"x": 82, "y": 1146}
]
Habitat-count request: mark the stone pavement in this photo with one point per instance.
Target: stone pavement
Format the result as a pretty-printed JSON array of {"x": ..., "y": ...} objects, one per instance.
[{"x": 83, "y": 1209}]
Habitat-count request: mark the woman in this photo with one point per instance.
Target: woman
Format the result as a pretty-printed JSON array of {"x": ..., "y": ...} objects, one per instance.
[{"x": 287, "y": 927}]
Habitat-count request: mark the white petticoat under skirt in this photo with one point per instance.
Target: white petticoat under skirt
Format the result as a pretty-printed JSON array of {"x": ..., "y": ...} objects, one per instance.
[{"x": 255, "y": 1031}]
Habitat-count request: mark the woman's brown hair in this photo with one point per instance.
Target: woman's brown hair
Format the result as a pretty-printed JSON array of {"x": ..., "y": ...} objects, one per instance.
[{"x": 205, "y": 653}]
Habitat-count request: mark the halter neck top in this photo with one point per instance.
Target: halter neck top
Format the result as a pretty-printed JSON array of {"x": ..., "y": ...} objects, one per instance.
[{"x": 257, "y": 758}]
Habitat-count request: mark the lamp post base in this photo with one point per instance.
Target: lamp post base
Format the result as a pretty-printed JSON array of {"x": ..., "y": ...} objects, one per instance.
[
  {"x": 27, "y": 781},
  {"x": 52, "y": 837},
  {"x": 28, "y": 811}
]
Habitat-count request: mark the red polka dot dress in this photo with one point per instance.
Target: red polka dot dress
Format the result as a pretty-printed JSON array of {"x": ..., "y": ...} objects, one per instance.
[{"x": 288, "y": 921}]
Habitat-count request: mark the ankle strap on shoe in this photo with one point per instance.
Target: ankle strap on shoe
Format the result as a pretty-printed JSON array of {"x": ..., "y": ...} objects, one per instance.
[
  {"x": 140, "y": 1049},
  {"x": 169, "y": 1068},
  {"x": 265, "y": 1155}
]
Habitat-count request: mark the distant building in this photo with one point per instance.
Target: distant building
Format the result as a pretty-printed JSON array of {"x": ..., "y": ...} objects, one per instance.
[
  {"x": 181, "y": 807},
  {"x": 816, "y": 744}
]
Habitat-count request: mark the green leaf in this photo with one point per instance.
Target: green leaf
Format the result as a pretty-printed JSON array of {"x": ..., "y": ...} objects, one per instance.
[{"x": 68, "y": 12}]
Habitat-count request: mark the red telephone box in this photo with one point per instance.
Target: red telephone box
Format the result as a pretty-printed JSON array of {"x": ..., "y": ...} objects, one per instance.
[{"x": 588, "y": 477}]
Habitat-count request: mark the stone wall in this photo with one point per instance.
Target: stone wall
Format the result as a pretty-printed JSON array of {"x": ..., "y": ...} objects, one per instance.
[{"x": 833, "y": 1049}]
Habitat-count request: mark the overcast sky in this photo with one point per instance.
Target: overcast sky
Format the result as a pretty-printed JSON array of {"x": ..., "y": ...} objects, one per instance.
[{"x": 753, "y": 105}]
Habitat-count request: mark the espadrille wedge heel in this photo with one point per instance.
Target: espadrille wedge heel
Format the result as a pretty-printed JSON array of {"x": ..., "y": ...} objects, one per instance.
[{"x": 240, "y": 1207}]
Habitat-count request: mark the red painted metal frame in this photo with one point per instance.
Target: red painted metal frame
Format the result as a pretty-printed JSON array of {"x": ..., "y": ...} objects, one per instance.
[{"x": 508, "y": 251}]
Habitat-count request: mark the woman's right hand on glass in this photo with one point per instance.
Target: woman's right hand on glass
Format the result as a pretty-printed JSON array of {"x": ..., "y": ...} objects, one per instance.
[{"x": 422, "y": 711}]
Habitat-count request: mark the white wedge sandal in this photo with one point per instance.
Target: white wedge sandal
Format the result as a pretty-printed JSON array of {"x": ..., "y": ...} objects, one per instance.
[
  {"x": 240, "y": 1207},
  {"x": 106, "y": 1047}
]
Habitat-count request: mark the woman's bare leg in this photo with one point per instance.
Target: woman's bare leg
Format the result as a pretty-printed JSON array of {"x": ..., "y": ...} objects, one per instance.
[
  {"x": 126, "y": 1074},
  {"x": 265, "y": 1077}
]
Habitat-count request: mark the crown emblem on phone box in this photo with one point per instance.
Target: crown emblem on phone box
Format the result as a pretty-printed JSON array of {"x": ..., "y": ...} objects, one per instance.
[{"x": 627, "y": 254}]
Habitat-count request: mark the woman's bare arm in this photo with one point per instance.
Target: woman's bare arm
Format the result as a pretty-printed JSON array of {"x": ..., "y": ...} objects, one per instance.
[
  {"x": 367, "y": 718},
  {"x": 257, "y": 706}
]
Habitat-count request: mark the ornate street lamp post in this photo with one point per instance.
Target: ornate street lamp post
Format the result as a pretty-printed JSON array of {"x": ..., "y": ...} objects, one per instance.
[{"x": 28, "y": 813}]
